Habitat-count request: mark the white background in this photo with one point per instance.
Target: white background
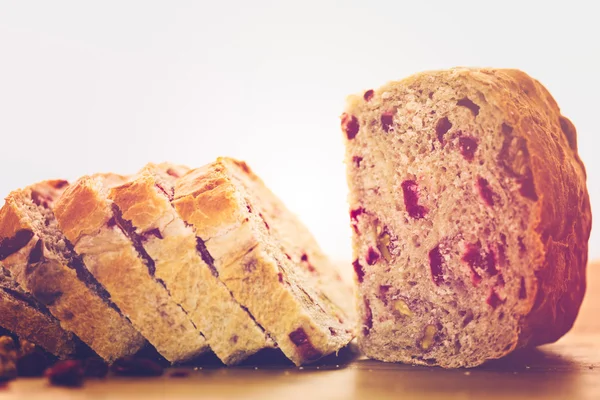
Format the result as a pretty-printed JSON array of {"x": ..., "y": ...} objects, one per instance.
[{"x": 108, "y": 86}]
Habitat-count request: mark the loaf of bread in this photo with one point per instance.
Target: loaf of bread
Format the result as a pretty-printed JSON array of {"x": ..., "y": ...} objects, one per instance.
[
  {"x": 42, "y": 262},
  {"x": 22, "y": 315},
  {"x": 114, "y": 254},
  {"x": 184, "y": 266},
  {"x": 470, "y": 214},
  {"x": 267, "y": 259}
]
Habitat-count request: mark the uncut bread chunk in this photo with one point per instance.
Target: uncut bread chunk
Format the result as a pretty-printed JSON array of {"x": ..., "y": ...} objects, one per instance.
[
  {"x": 233, "y": 213},
  {"x": 42, "y": 261},
  {"x": 114, "y": 254},
  {"x": 470, "y": 213},
  {"x": 24, "y": 316},
  {"x": 184, "y": 265}
]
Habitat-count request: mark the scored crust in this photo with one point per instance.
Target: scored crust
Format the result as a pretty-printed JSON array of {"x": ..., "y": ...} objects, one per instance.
[
  {"x": 145, "y": 201},
  {"x": 528, "y": 168},
  {"x": 105, "y": 241},
  {"x": 222, "y": 204},
  {"x": 41, "y": 261},
  {"x": 25, "y": 317}
]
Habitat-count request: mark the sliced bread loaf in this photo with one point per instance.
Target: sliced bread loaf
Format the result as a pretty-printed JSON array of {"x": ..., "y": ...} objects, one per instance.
[
  {"x": 289, "y": 287},
  {"x": 185, "y": 267},
  {"x": 42, "y": 261},
  {"x": 470, "y": 214},
  {"x": 113, "y": 252}
]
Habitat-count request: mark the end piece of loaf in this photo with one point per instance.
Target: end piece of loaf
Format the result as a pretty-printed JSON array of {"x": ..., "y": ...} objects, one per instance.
[
  {"x": 42, "y": 261},
  {"x": 184, "y": 265},
  {"x": 470, "y": 213},
  {"x": 114, "y": 254},
  {"x": 268, "y": 259},
  {"x": 22, "y": 315}
]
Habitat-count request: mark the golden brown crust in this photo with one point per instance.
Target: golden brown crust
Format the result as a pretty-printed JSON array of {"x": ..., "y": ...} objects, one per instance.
[
  {"x": 55, "y": 284},
  {"x": 189, "y": 279},
  {"x": 562, "y": 215},
  {"x": 99, "y": 236}
]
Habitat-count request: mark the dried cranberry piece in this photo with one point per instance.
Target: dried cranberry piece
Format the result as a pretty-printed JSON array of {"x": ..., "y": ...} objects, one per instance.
[
  {"x": 368, "y": 95},
  {"x": 36, "y": 254},
  {"x": 40, "y": 199},
  {"x": 152, "y": 232},
  {"x": 350, "y": 125},
  {"x": 358, "y": 269},
  {"x": 466, "y": 102},
  {"x": 436, "y": 265},
  {"x": 280, "y": 277},
  {"x": 136, "y": 366},
  {"x": 354, "y": 217},
  {"x": 332, "y": 331},
  {"x": 357, "y": 160},
  {"x": 527, "y": 188},
  {"x": 9, "y": 246},
  {"x": 95, "y": 367},
  {"x": 111, "y": 222},
  {"x": 307, "y": 264},
  {"x": 305, "y": 348},
  {"x": 411, "y": 199},
  {"x": 522, "y": 290},
  {"x": 66, "y": 373},
  {"x": 442, "y": 127},
  {"x": 479, "y": 260},
  {"x": 485, "y": 191},
  {"x": 368, "y": 319},
  {"x": 372, "y": 256},
  {"x": 387, "y": 120},
  {"x": 265, "y": 221},
  {"x": 468, "y": 147},
  {"x": 60, "y": 184},
  {"x": 493, "y": 299}
]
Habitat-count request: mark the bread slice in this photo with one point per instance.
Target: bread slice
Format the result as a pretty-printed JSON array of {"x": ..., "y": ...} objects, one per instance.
[
  {"x": 471, "y": 216},
  {"x": 178, "y": 254},
  {"x": 249, "y": 234},
  {"x": 114, "y": 254},
  {"x": 41, "y": 260},
  {"x": 24, "y": 316}
]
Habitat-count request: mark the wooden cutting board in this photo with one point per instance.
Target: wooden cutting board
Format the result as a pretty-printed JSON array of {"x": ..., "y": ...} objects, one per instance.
[{"x": 569, "y": 369}]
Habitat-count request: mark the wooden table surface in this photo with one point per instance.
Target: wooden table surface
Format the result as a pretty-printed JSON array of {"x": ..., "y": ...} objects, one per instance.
[{"x": 568, "y": 369}]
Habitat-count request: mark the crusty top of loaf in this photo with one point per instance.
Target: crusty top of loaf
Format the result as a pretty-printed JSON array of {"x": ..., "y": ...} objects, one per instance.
[{"x": 85, "y": 196}]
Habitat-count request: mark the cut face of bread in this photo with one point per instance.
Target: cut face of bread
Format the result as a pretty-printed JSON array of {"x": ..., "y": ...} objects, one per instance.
[
  {"x": 178, "y": 261},
  {"x": 470, "y": 215},
  {"x": 42, "y": 261},
  {"x": 287, "y": 285},
  {"x": 113, "y": 252},
  {"x": 24, "y": 316}
]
